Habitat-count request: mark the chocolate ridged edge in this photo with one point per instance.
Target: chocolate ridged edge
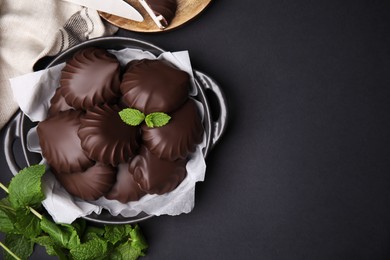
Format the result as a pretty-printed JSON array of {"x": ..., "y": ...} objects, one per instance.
[
  {"x": 154, "y": 86},
  {"x": 60, "y": 144},
  {"x": 58, "y": 103},
  {"x": 125, "y": 188},
  {"x": 90, "y": 77},
  {"x": 91, "y": 184},
  {"x": 154, "y": 175},
  {"x": 179, "y": 137},
  {"x": 105, "y": 137}
]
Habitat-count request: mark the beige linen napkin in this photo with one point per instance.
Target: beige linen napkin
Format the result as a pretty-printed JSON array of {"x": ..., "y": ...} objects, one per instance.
[{"x": 30, "y": 30}]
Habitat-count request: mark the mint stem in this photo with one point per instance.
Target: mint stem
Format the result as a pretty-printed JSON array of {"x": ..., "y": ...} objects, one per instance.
[
  {"x": 6, "y": 207},
  {"x": 3, "y": 187},
  {"x": 9, "y": 251},
  {"x": 36, "y": 213}
]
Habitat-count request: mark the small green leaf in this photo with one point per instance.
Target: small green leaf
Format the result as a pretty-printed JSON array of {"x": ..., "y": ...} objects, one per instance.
[
  {"x": 19, "y": 245},
  {"x": 6, "y": 224},
  {"x": 133, "y": 244},
  {"x": 25, "y": 188},
  {"x": 132, "y": 116},
  {"x": 44, "y": 240},
  {"x": 93, "y": 249},
  {"x": 125, "y": 251},
  {"x": 114, "y": 233},
  {"x": 157, "y": 119},
  {"x": 51, "y": 247},
  {"x": 92, "y": 232},
  {"x": 27, "y": 223},
  {"x": 62, "y": 234},
  {"x": 7, "y": 217},
  {"x": 138, "y": 239}
]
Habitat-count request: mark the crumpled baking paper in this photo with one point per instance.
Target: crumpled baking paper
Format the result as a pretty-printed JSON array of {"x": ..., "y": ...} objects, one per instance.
[{"x": 33, "y": 92}]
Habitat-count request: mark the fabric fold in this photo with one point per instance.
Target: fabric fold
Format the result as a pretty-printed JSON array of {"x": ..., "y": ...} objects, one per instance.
[{"x": 31, "y": 30}]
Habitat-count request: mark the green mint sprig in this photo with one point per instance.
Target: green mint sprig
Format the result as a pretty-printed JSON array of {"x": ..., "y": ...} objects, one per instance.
[
  {"x": 25, "y": 226},
  {"x": 134, "y": 117},
  {"x": 157, "y": 119}
]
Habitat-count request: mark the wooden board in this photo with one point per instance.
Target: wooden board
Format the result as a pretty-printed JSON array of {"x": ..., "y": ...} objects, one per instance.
[{"x": 186, "y": 10}]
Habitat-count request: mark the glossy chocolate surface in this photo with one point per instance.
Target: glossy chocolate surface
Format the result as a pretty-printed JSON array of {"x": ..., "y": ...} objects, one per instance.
[
  {"x": 125, "y": 189},
  {"x": 60, "y": 143},
  {"x": 154, "y": 175},
  {"x": 93, "y": 153},
  {"x": 165, "y": 8},
  {"x": 91, "y": 184},
  {"x": 91, "y": 77},
  {"x": 105, "y": 137},
  {"x": 154, "y": 86},
  {"x": 58, "y": 103},
  {"x": 179, "y": 137}
]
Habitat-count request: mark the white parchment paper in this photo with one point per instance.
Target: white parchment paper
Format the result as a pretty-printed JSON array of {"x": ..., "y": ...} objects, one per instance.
[{"x": 33, "y": 92}]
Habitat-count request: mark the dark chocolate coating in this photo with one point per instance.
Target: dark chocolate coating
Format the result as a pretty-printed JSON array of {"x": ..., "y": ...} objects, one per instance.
[
  {"x": 154, "y": 86},
  {"x": 105, "y": 137},
  {"x": 125, "y": 189},
  {"x": 60, "y": 143},
  {"x": 91, "y": 184},
  {"x": 165, "y": 8},
  {"x": 179, "y": 137},
  {"x": 58, "y": 103},
  {"x": 154, "y": 175},
  {"x": 91, "y": 77}
]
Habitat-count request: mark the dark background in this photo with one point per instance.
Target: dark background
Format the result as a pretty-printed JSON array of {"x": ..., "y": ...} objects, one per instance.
[{"x": 302, "y": 171}]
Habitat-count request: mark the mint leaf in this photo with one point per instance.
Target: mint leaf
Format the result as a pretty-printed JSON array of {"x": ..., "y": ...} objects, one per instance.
[
  {"x": 50, "y": 246},
  {"x": 133, "y": 247},
  {"x": 19, "y": 245},
  {"x": 27, "y": 223},
  {"x": 132, "y": 116},
  {"x": 94, "y": 249},
  {"x": 125, "y": 251},
  {"x": 92, "y": 232},
  {"x": 25, "y": 226},
  {"x": 7, "y": 217},
  {"x": 114, "y": 233},
  {"x": 62, "y": 234},
  {"x": 25, "y": 188},
  {"x": 45, "y": 241},
  {"x": 157, "y": 119},
  {"x": 138, "y": 240},
  {"x": 6, "y": 224}
]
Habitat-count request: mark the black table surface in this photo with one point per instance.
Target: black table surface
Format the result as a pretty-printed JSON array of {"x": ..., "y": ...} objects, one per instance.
[{"x": 302, "y": 171}]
